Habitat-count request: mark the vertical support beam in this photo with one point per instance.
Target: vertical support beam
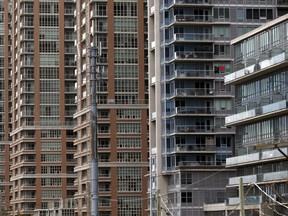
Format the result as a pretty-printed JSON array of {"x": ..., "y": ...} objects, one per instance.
[
  {"x": 94, "y": 162},
  {"x": 158, "y": 203},
  {"x": 241, "y": 197}
]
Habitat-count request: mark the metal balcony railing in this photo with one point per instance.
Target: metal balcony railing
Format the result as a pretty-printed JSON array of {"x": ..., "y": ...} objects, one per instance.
[
  {"x": 194, "y": 147},
  {"x": 193, "y": 55},
  {"x": 193, "y": 36}
]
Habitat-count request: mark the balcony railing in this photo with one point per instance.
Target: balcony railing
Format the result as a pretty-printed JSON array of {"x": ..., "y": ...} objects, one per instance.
[
  {"x": 193, "y": 18},
  {"x": 193, "y": 36},
  {"x": 194, "y": 128},
  {"x": 193, "y": 55},
  {"x": 264, "y": 110},
  {"x": 194, "y": 110},
  {"x": 169, "y": 3},
  {"x": 198, "y": 111},
  {"x": 248, "y": 200},
  {"x": 200, "y": 163},
  {"x": 200, "y": 129},
  {"x": 124, "y": 101},
  {"x": 198, "y": 92},
  {"x": 191, "y": 73},
  {"x": 195, "y": 147},
  {"x": 255, "y": 157},
  {"x": 257, "y": 62}
]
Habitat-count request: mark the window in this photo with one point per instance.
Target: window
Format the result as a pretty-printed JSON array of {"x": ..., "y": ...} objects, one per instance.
[
  {"x": 259, "y": 14},
  {"x": 126, "y": 56},
  {"x": 49, "y": 85},
  {"x": 221, "y": 13},
  {"x": 126, "y": 40},
  {"x": 101, "y": 8},
  {"x": 104, "y": 201},
  {"x": 240, "y": 14},
  {"x": 51, "y": 193},
  {"x": 49, "y": 46},
  {"x": 103, "y": 143},
  {"x": 104, "y": 157},
  {"x": 127, "y": 71},
  {"x": 186, "y": 197},
  {"x": 103, "y": 114},
  {"x": 50, "y": 169},
  {"x": 128, "y": 142},
  {"x": 104, "y": 186},
  {"x": 104, "y": 172},
  {"x": 129, "y": 157},
  {"x": 51, "y": 181},
  {"x": 128, "y": 114},
  {"x": 186, "y": 178},
  {"x": 51, "y": 157},
  {"x": 128, "y": 128},
  {"x": 49, "y": 73},
  {"x": 125, "y": 9},
  {"x": 49, "y": 20},
  {"x": 48, "y": 7},
  {"x": 51, "y": 133},
  {"x": 125, "y": 24},
  {"x": 129, "y": 179},
  {"x": 131, "y": 204}
]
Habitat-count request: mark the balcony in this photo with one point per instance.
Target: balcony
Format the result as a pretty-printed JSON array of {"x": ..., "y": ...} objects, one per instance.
[
  {"x": 248, "y": 200},
  {"x": 202, "y": 110},
  {"x": 192, "y": 74},
  {"x": 170, "y": 3},
  {"x": 254, "y": 114},
  {"x": 190, "y": 129},
  {"x": 246, "y": 179},
  {"x": 188, "y": 55},
  {"x": 194, "y": 148},
  {"x": 253, "y": 68},
  {"x": 29, "y": 160},
  {"x": 275, "y": 176},
  {"x": 193, "y": 18},
  {"x": 199, "y": 37},
  {"x": 199, "y": 163},
  {"x": 255, "y": 158},
  {"x": 199, "y": 92}
]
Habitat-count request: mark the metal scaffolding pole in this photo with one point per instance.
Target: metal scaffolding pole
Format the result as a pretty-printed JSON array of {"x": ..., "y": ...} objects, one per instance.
[{"x": 94, "y": 162}]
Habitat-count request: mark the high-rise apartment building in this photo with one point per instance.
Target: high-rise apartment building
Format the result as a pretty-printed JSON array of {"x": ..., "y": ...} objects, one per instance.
[
  {"x": 43, "y": 92},
  {"x": 260, "y": 78},
  {"x": 189, "y": 55},
  {"x": 5, "y": 103},
  {"x": 120, "y": 26}
]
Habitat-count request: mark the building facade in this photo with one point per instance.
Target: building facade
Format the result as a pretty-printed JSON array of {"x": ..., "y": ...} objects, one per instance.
[
  {"x": 43, "y": 92},
  {"x": 120, "y": 26},
  {"x": 189, "y": 55},
  {"x": 260, "y": 79},
  {"x": 5, "y": 103}
]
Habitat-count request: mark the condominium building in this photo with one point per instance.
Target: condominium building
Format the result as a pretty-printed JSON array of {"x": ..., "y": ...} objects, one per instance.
[
  {"x": 5, "y": 103},
  {"x": 189, "y": 55},
  {"x": 43, "y": 92},
  {"x": 260, "y": 78},
  {"x": 122, "y": 132}
]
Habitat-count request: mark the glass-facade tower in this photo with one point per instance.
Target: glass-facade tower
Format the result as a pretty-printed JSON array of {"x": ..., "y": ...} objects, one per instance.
[{"x": 189, "y": 55}]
